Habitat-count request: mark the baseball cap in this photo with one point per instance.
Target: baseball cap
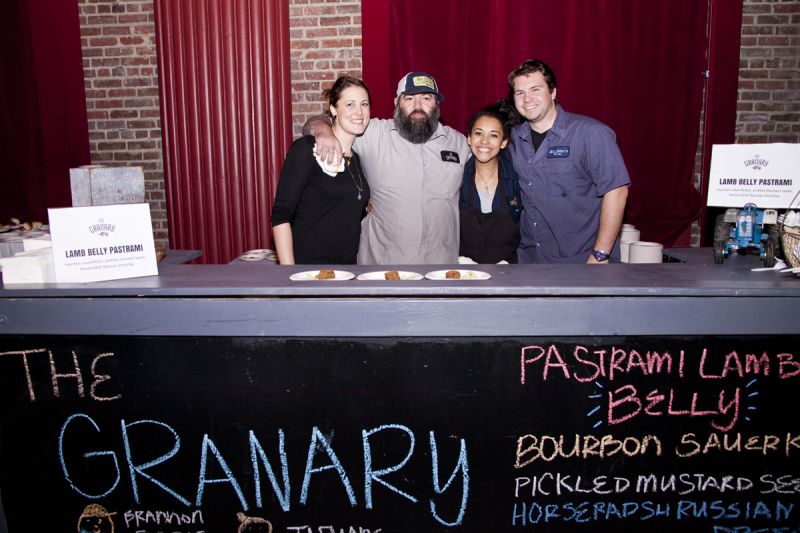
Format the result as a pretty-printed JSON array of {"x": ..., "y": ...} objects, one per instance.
[{"x": 418, "y": 83}]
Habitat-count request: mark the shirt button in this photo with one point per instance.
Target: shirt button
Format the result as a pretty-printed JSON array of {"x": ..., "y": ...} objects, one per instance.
[
  {"x": 537, "y": 244},
  {"x": 534, "y": 224}
]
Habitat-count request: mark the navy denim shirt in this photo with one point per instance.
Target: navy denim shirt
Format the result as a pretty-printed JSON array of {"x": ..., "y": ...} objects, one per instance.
[{"x": 562, "y": 184}]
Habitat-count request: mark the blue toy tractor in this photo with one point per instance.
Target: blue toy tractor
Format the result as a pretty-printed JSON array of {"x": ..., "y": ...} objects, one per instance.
[{"x": 743, "y": 230}]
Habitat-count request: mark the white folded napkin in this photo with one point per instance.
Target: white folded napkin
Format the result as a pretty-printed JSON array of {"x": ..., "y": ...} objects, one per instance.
[
  {"x": 35, "y": 266},
  {"x": 330, "y": 170}
]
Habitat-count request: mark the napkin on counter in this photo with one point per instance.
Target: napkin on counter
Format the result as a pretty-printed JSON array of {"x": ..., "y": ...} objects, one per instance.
[
  {"x": 330, "y": 170},
  {"x": 37, "y": 242},
  {"x": 35, "y": 266}
]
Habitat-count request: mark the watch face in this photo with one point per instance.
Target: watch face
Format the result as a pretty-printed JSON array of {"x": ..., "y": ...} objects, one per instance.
[{"x": 600, "y": 255}]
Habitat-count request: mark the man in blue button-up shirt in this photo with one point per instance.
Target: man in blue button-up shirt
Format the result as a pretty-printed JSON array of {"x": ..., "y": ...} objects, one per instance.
[{"x": 573, "y": 180}]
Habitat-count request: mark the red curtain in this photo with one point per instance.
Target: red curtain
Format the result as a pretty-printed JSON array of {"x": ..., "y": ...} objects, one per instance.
[
  {"x": 721, "y": 94},
  {"x": 226, "y": 120},
  {"x": 43, "y": 126},
  {"x": 637, "y": 66}
]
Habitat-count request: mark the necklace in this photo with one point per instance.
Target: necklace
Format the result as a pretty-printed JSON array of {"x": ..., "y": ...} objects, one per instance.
[
  {"x": 486, "y": 182},
  {"x": 360, "y": 183}
]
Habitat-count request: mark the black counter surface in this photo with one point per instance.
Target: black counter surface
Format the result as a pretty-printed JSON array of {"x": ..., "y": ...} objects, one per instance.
[{"x": 691, "y": 297}]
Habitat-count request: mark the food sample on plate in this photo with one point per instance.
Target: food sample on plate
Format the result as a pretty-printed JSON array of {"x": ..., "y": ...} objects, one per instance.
[
  {"x": 458, "y": 275},
  {"x": 326, "y": 273},
  {"x": 392, "y": 275}
]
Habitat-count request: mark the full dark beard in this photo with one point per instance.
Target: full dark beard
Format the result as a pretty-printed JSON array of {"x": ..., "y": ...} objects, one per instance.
[{"x": 416, "y": 131}]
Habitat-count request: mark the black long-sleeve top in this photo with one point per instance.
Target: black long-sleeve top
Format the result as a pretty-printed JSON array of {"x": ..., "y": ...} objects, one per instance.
[{"x": 324, "y": 212}]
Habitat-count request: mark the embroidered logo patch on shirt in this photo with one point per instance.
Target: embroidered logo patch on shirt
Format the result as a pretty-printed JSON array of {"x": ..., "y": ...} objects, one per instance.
[
  {"x": 450, "y": 156},
  {"x": 558, "y": 152}
]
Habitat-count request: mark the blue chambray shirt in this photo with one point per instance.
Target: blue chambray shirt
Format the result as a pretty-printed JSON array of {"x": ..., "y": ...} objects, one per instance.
[{"x": 563, "y": 183}]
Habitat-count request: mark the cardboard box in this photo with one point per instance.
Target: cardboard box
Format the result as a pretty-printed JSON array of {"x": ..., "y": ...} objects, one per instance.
[{"x": 101, "y": 185}]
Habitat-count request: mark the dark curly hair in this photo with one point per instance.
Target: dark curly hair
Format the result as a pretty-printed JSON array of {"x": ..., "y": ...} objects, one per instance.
[{"x": 500, "y": 110}]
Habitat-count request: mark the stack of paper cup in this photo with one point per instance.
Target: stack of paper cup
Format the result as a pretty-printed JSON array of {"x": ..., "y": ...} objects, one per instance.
[
  {"x": 645, "y": 252},
  {"x": 628, "y": 234}
]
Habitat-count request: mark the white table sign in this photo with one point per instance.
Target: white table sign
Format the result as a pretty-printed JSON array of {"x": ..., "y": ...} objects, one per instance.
[
  {"x": 102, "y": 242},
  {"x": 767, "y": 175}
]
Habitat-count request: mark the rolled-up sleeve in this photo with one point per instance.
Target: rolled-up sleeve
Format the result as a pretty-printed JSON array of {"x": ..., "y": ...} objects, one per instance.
[{"x": 604, "y": 160}]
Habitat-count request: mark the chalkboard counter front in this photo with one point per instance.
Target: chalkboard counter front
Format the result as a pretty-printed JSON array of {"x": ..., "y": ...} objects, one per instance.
[{"x": 227, "y": 398}]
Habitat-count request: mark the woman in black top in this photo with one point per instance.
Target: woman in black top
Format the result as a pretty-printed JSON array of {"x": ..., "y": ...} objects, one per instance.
[{"x": 316, "y": 217}]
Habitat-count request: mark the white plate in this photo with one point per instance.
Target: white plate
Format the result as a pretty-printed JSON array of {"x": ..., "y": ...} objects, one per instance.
[
  {"x": 380, "y": 275},
  {"x": 311, "y": 275},
  {"x": 259, "y": 254},
  {"x": 438, "y": 275},
  {"x": 252, "y": 257}
]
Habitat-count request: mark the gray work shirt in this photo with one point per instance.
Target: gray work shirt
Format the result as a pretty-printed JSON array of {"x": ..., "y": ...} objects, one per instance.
[
  {"x": 414, "y": 187},
  {"x": 563, "y": 183}
]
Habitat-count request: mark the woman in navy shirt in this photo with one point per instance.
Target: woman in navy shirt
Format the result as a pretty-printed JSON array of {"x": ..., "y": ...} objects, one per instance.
[{"x": 490, "y": 202}]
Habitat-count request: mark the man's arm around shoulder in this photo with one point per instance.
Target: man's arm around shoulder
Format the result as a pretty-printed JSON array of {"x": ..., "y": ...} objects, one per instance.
[{"x": 328, "y": 147}]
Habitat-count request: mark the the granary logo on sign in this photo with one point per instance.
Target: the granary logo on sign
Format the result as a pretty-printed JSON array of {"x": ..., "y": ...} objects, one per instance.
[
  {"x": 756, "y": 163},
  {"x": 102, "y": 228}
]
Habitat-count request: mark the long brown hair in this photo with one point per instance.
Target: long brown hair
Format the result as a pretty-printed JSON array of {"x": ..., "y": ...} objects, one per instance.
[{"x": 333, "y": 94}]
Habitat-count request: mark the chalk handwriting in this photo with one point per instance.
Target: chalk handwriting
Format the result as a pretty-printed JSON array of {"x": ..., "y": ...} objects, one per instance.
[
  {"x": 533, "y": 513},
  {"x": 55, "y": 376},
  {"x": 562, "y": 484},
  {"x": 331, "y": 529},
  {"x": 748, "y": 529},
  {"x": 532, "y": 448},
  {"x": 605, "y": 367},
  {"x": 463, "y": 467},
  {"x": 79, "y": 431},
  {"x": 692, "y": 444},
  {"x": 584, "y": 364},
  {"x": 785, "y": 484},
  {"x": 140, "y": 518},
  {"x": 628, "y": 400}
]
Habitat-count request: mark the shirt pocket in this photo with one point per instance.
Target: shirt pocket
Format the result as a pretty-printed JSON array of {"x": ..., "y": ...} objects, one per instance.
[
  {"x": 443, "y": 180},
  {"x": 561, "y": 177}
]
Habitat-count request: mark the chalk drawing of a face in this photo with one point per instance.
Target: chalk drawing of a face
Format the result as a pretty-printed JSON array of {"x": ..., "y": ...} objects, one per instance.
[
  {"x": 253, "y": 524},
  {"x": 95, "y": 519}
]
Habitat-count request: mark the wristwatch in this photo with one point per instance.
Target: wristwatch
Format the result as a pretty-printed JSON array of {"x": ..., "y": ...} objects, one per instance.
[{"x": 601, "y": 255}]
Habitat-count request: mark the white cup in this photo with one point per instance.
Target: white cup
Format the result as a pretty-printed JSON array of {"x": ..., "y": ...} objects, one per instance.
[
  {"x": 628, "y": 226},
  {"x": 624, "y": 247},
  {"x": 629, "y": 234},
  {"x": 645, "y": 252}
]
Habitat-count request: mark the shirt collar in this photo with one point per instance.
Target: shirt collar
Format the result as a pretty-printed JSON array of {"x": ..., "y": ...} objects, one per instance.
[{"x": 523, "y": 131}]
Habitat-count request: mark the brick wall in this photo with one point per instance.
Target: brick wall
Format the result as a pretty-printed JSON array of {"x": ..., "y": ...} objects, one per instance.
[
  {"x": 769, "y": 75},
  {"x": 121, "y": 80},
  {"x": 325, "y": 42}
]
